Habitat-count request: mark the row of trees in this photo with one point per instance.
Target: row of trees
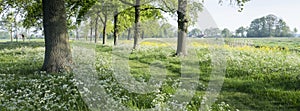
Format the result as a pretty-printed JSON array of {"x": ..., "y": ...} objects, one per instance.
[
  {"x": 54, "y": 17},
  {"x": 267, "y": 26},
  {"x": 149, "y": 29}
]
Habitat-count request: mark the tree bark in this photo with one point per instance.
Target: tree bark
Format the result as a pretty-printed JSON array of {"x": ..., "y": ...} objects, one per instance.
[
  {"x": 58, "y": 56},
  {"x": 143, "y": 34},
  {"x": 16, "y": 34},
  {"x": 104, "y": 29},
  {"x": 91, "y": 36},
  {"x": 137, "y": 23},
  {"x": 77, "y": 33},
  {"x": 116, "y": 28},
  {"x": 96, "y": 27},
  {"x": 182, "y": 28},
  {"x": 123, "y": 36},
  {"x": 11, "y": 34},
  {"x": 129, "y": 33}
]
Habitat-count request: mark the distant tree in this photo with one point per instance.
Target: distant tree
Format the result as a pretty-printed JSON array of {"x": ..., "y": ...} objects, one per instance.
[
  {"x": 254, "y": 28},
  {"x": 271, "y": 21},
  {"x": 167, "y": 30},
  {"x": 212, "y": 32},
  {"x": 4, "y": 35},
  {"x": 282, "y": 30},
  {"x": 7, "y": 24},
  {"x": 195, "y": 33},
  {"x": 240, "y": 32},
  {"x": 269, "y": 26},
  {"x": 151, "y": 28},
  {"x": 258, "y": 28},
  {"x": 295, "y": 31},
  {"x": 226, "y": 32}
]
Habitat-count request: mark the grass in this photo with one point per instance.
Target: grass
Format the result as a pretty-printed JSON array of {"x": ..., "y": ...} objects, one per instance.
[
  {"x": 261, "y": 78},
  {"x": 24, "y": 87},
  {"x": 292, "y": 44}
]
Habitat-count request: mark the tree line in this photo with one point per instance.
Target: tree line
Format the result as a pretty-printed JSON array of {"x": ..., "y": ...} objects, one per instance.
[
  {"x": 266, "y": 26},
  {"x": 56, "y": 17}
]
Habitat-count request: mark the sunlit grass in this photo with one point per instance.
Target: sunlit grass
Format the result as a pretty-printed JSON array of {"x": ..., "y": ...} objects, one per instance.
[{"x": 257, "y": 78}]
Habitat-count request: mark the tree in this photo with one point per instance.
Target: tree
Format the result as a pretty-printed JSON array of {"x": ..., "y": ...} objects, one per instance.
[
  {"x": 240, "y": 32},
  {"x": 116, "y": 27},
  {"x": 137, "y": 10},
  {"x": 195, "y": 32},
  {"x": 91, "y": 29},
  {"x": 282, "y": 30},
  {"x": 167, "y": 30},
  {"x": 254, "y": 29},
  {"x": 104, "y": 12},
  {"x": 271, "y": 21},
  {"x": 8, "y": 25},
  {"x": 151, "y": 28},
  {"x": 151, "y": 10},
  {"x": 57, "y": 54},
  {"x": 55, "y": 17},
  {"x": 226, "y": 32},
  {"x": 295, "y": 31},
  {"x": 185, "y": 12},
  {"x": 84, "y": 30},
  {"x": 182, "y": 27},
  {"x": 269, "y": 26},
  {"x": 100, "y": 13},
  {"x": 212, "y": 32}
]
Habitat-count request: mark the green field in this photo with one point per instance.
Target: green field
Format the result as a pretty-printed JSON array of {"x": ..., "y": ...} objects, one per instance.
[{"x": 261, "y": 74}]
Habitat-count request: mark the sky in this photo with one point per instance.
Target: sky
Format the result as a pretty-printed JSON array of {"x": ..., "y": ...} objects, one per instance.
[{"x": 227, "y": 16}]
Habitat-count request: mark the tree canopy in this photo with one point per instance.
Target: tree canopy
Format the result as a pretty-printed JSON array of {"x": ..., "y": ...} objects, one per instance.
[{"x": 269, "y": 26}]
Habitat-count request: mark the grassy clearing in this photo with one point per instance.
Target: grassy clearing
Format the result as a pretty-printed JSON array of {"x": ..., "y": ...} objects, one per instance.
[
  {"x": 23, "y": 87},
  {"x": 262, "y": 78}
]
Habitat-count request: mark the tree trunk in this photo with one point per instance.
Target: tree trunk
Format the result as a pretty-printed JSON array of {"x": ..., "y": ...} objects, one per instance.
[
  {"x": 91, "y": 36},
  {"x": 270, "y": 34},
  {"x": 182, "y": 28},
  {"x": 123, "y": 36},
  {"x": 143, "y": 34},
  {"x": 96, "y": 27},
  {"x": 137, "y": 23},
  {"x": 77, "y": 33},
  {"x": 58, "y": 56},
  {"x": 116, "y": 28},
  {"x": 16, "y": 34},
  {"x": 129, "y": 33},
  {"x": 86, "y": 38},
  {"x": 104, "y": 29},
  {"x": 11, "y": 34}
]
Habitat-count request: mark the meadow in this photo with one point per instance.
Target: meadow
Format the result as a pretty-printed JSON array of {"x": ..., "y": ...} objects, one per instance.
[{"x": 260, "y": 74}]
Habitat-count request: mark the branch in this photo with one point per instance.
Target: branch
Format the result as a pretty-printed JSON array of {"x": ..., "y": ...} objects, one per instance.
[
  {"x": 101, "y": 19},
  {"x": 168, "y": 7},
  {"x": 155, "y": 8},
  {"x": 127, "y": 3},
  {"x": 128, "y": 9}
]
